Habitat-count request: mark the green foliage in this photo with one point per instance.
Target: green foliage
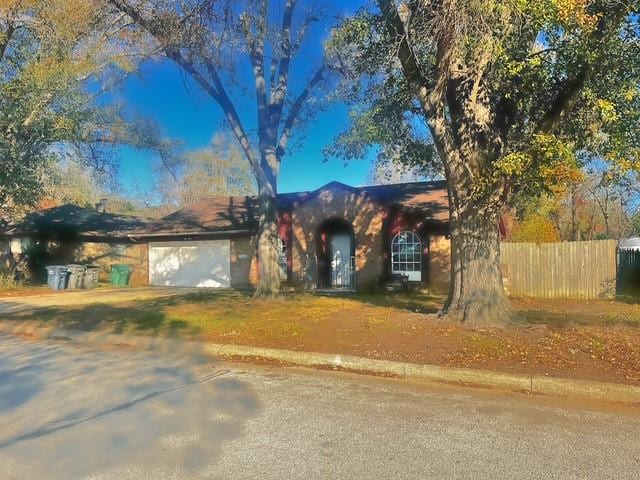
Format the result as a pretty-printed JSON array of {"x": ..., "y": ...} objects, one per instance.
[
  {"x": 9, "y": 282},
  {"x": 534, "y": 90},
  {"x": 38, "y": 103},
  {"x": 56, "y": 56},
  {"x": 219, "y": 170},
  {"x": 536, "y": 228}
]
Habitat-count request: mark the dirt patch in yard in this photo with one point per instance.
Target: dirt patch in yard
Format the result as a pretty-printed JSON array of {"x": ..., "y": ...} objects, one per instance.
[{"x": 587, "y": 340}]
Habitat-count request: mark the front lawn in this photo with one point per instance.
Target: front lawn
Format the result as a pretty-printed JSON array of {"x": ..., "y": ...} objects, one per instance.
[
  {"x": 10, "y": 288},
  {"x": 593, "y": 340}
]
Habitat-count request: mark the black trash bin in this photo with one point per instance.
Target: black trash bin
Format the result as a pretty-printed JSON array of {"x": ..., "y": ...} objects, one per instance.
[
  {"x": 76, "y": 276},
  {"x": 91, "y": 277},
  {"x": 57, "y": 276}
]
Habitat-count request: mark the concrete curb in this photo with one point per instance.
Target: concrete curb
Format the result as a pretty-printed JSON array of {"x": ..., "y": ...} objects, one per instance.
[{"x": 558, "y": 387}]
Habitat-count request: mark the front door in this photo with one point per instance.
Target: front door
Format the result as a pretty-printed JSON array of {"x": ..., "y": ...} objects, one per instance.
[{"x": 341, "y": 261}]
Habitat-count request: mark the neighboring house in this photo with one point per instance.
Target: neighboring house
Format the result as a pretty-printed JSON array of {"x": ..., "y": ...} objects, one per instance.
[
  {"x": 69, "y": 234},
  {"x": 334, "y": 237},
  {"x": 630, "y": 244}
]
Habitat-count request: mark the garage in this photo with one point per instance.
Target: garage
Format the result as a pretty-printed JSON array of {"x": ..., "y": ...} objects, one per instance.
[{"x": 190, "y": 263}]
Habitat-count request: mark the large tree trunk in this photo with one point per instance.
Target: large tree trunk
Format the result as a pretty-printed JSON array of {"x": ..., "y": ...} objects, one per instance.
[
  {"x": 476, "y": 293},
  {"x": 269, "y": 269}
]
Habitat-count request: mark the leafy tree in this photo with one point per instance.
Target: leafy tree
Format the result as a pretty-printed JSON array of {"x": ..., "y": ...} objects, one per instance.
[
  {"x": 70, "y": 182},
  {"x": 506, "y": 96},
  {"x": 214, "y": 42},
  {"x": 56, "y": 58},
  {"x": 536, "y": 228},
  {"x": 221, "y": 170},
  {"x": 596, "y": 207},
  {"x": 390, "y": 168},
  {"x": 635, "y": 225}
]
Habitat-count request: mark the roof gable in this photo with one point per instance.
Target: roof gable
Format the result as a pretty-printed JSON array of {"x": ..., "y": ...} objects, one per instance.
[
  {"x": 226, "y": 214},
  {"x": 329, "y": 187},
  {"x": 223, "y": 214}
]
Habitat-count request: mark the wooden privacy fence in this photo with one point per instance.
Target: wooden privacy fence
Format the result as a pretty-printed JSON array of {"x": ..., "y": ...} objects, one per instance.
[{"x": 560, "y": 270}]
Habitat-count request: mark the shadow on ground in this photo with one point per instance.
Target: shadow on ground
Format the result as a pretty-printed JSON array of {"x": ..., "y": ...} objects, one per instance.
[
  {"x": 142, "y": 316},
  {"x": 150, "y": 316},
  {"x": 418, "y": 301},
  {"x": 99, "y": 409}
]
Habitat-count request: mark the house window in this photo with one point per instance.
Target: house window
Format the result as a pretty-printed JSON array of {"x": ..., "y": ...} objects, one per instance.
[
  {"x": 282, "y": 259},
  {"x": 406, "y": 255}
]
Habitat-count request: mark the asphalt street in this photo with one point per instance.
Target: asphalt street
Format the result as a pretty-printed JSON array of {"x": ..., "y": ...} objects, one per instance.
[{"x": 76, "y": 412}]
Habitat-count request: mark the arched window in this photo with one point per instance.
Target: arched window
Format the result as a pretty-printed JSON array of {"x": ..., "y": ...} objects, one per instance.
[
  {"x": 406, "y": 255},
  {"x": 282, "y": 259}
]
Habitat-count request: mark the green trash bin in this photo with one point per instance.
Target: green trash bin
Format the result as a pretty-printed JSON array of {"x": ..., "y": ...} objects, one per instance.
[{"x": 120, "y": 275}]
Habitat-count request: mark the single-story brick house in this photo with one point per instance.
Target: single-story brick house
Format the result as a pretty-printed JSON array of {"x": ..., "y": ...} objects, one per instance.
[{"x": 337, "y": 236}]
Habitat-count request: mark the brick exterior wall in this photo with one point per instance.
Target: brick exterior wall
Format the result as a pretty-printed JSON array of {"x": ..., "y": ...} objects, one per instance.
[
  {"x": 106, "y": 254},
  {"x": 439, "y": 263},
  {"x": 366, "y": 218},
  {"x": 243, "y": 262}
]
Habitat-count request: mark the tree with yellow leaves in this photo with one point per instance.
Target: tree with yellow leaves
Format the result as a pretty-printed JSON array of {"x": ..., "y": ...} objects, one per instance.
[
  {"x": 503, "y": 96},
  {"x": 49, "y": 51}
]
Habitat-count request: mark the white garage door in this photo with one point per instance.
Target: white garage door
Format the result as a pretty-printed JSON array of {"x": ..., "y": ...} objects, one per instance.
[{"x": 190, "y": 264}]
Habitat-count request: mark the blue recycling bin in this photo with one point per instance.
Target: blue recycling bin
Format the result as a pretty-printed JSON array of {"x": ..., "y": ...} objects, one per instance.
[{"x": 57, "y": 276}]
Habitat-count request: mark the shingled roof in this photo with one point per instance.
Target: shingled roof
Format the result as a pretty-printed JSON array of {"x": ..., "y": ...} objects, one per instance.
[
  {"x": 227, "y": 214},
  {"x": 430, "y": 197},
  {"x": 219, "y": 214},
  {"x": 68, "y": 221}
]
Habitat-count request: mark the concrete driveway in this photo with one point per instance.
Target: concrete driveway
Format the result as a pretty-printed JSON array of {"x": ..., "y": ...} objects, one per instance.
[
  {"x": 70, "y": 412},
  {"x": 83, "y": 297}
]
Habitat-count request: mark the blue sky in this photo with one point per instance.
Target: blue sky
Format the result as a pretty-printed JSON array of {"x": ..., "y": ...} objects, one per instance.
[{"x": 185, "y": 113}]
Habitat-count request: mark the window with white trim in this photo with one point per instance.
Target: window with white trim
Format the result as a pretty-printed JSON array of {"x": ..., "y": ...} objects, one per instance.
[
  {"x": 282, "y": 259},
  {"x": 406, "y": 255}
]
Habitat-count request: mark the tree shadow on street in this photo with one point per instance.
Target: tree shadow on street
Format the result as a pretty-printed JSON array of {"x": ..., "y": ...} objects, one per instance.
[{"x": 98, "y": 409}]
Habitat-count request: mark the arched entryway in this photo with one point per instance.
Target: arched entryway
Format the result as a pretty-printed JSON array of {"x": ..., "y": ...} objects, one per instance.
[{"x": 335, "y": 254}]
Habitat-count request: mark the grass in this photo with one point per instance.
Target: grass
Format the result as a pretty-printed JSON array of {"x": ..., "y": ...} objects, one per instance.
[
  {"x": 593, "y": 340},
  {"x": 10, "y": 287},
  {"x": 202, "y": 314},
  {"x": 229, "y": 313}
]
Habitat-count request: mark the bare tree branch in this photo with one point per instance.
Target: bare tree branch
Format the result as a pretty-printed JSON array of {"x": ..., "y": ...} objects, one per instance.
[
  {"x": 296, "y": 107},
  {"x": 7, "y": 38},
  {"x": 410, "y": 65},
  {"x": 280, "y": 92},
  {"x": 215, "y": 88}
]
